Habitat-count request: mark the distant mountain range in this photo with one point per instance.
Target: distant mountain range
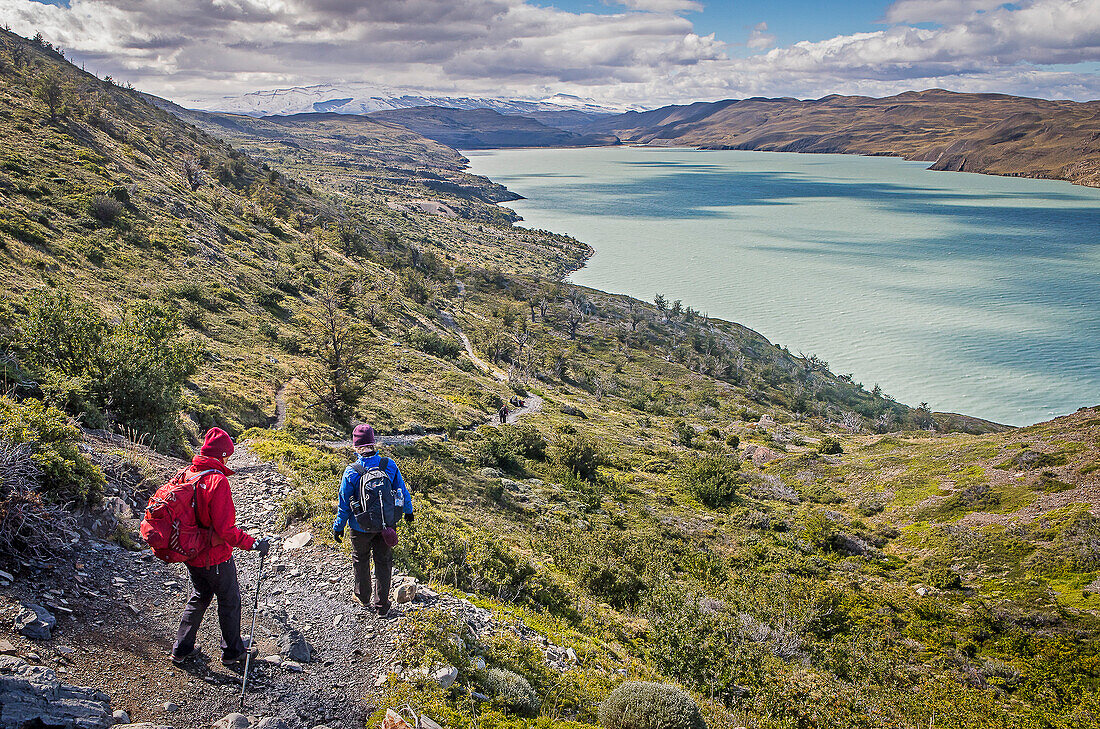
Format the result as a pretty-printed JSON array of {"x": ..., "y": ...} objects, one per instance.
[
  {"x": 363, "y": 98},
  {"x": 987, "y": 133}
]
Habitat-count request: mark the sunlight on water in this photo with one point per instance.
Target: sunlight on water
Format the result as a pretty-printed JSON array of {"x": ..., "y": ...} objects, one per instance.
[{"x": 977, "y": 294}]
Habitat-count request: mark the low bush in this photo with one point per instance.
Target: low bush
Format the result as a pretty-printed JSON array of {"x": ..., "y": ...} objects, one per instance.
[
  {"x": 512, "y": 691},
  {"x": 65, "y": 475},
  {"x": 503, "y": 447},
  {"x": 431, "y": 343},
  {"x": 830, "y": 446},
  {"x": 713, "y": 479},
  {"x": 577, "y": 455},
  {"x": 105, "y": 209},
  {"x": 422, "y": 477},
  {"x": 645, "y": 705}
]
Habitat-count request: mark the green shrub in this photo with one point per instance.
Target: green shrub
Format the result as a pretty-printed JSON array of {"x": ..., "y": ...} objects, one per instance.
[
  {"x": 733, "y": 440},
  {"x": 944, "y": 579},
  {"x": 133, "y": 368},
  {"x": 685, "y": 434},
  {"x": 503, "y": 447},
  {"x": 577, "y": 455},
  {"x": 431, "y": 343},
  {"x": 67, "y": 475},
  {"x": 830, "y": 446},
  {"x": 19, "y": 227},
  {"x": 512, "y": 691},
  {"x": 422, "y": 477},
  {"x": 713, "y": 479},
  {"x": 645, "y": 705},
  {"x": 105, "y": 209}
]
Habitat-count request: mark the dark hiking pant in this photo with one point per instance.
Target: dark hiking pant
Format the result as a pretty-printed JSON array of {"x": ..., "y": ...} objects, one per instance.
[
  {"x": 219, "y": 581},
  {"x": 366, "y": 547}
]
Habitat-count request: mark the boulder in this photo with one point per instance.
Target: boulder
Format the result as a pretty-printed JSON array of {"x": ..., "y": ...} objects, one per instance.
[
  {"x": 295, "y": 647},
  {"x": 35, "y": 622},
  {"x": 762, "y": 455},
  {"x": 232, "y": 721},
  {"x": 272, "y": 722},
  {"x": 393, "y": 720},
  {"x": 297, "y": 541},
  {"x": 405, "y": 592},
  {"x": 445, "y": 676},
  {"x": 121, "y": 717},
  {"x": 33, "y": 696}
]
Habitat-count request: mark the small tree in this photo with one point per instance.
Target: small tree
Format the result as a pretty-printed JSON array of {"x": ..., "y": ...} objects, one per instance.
[
  {"x": 339, "y": 344},
  {"x": 52, "y": 90}
]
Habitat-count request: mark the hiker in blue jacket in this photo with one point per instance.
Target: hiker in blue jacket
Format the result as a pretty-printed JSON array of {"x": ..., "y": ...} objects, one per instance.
[{"x": 368, "y": 541}]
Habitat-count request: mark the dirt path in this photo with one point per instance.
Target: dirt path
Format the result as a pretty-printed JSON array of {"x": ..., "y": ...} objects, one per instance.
[
  {"x": 280, "y": 407},
  {"x": 452, "y": 324},
  {"x": 118, "y": 612}
]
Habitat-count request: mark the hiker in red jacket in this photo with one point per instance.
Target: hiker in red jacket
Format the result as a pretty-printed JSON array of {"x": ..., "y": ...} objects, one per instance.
[{"x": 213, "y": 572}]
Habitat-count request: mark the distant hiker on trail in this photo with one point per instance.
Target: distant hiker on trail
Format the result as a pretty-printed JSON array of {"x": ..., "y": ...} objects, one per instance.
[
  {"x": 372, "y": 497},
  {"x": 503, "y": 414},
  {"x": 213, "y": 572}
]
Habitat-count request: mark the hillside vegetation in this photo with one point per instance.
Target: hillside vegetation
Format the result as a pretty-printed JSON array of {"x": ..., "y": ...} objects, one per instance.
[{"x": 690, "y": 504}]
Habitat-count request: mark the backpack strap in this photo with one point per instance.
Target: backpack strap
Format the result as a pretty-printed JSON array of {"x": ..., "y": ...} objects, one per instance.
[{"x": 193, "y": 481}]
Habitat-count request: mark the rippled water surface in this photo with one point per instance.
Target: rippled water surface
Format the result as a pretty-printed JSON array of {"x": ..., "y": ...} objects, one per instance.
[{"x": 976, "y": 294}]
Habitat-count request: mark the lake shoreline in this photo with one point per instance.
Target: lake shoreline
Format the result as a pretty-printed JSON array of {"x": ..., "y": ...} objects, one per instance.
[{"x": 629, "y": 201}]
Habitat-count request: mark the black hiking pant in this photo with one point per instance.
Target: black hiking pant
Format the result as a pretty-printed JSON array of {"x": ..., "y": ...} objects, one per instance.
[
  {"x": 219, "y": 581},
  {"x": 366, "y": 547}
]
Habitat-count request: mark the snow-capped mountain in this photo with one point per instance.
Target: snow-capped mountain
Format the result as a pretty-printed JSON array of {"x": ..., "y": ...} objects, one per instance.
[{"x": 362, "y": 98}]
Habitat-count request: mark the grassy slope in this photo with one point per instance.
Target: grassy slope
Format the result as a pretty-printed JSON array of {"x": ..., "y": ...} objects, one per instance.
[
  {"x": 990, "y": 133},
  {"x": 827, "y": 593}
]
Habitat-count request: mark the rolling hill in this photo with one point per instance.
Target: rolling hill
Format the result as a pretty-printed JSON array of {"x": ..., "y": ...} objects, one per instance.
[{"x": 987, "y": 133}]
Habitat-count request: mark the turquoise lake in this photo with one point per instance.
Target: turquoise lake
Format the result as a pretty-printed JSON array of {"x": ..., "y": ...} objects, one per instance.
[{"x": 976, "y": 294}]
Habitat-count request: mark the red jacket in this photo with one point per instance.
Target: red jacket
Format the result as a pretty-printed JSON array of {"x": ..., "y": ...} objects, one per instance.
[{"x": 214, "y": 509}]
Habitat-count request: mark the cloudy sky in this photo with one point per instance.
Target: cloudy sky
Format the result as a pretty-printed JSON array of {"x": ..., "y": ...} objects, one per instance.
[{"x": 639, "y": 52}]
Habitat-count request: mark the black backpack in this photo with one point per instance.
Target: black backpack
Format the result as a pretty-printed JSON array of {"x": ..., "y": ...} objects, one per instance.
[{"x": 373, "y": 503}]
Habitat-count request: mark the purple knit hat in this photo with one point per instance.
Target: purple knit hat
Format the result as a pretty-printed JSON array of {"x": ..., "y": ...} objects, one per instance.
[{"x": 362, "y": 436}]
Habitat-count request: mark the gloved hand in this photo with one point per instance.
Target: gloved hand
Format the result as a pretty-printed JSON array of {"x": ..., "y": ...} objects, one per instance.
[
  {"x": 409, "y": 517},
  {"x": 263, "y": 546},
  {"x": 338, "y": 534}
]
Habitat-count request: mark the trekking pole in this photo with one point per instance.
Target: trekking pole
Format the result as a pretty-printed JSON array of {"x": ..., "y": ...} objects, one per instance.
[{"x": 252, "y": 631}]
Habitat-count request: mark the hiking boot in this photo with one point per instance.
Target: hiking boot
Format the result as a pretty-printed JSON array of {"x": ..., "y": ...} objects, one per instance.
[
  {"x": 239, "y": 658},
  {"x": 387, "y": 613},
  {"x": 179, "y": 660}
]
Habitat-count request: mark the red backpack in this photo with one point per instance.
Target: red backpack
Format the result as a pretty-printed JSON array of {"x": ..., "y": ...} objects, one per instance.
[{"x": 170, "y": 525}]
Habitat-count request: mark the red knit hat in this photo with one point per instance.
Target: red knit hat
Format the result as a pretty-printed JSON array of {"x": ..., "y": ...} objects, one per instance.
[{"x": 217, "y": 444}]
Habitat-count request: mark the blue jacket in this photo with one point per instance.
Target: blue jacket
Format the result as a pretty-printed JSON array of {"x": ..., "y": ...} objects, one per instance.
[{"x": 351, "y": 480}]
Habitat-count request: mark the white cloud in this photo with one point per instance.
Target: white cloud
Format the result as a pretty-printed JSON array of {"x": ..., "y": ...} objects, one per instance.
[
  {"x": 647, "y": 53},
  {"x": 661, "y": 6},
  {"x": 760, "y": 37},
  {"x": 939, "y": 12}
]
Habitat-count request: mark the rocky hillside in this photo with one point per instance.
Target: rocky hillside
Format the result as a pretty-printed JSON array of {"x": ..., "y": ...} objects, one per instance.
[{"x": 988, "y": 133}]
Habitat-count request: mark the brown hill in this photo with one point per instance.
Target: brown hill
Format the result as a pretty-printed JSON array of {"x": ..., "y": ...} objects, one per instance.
[{"x": 989, "y": 133}]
